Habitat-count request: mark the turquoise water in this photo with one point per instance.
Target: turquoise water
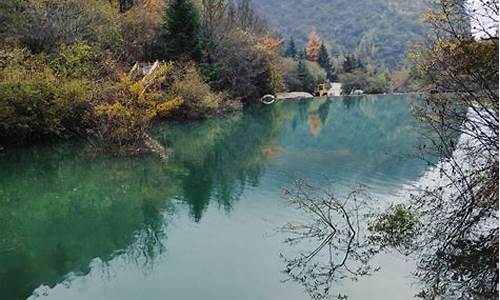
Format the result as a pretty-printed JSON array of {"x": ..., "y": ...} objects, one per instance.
[{"x": 203, "y": 225}]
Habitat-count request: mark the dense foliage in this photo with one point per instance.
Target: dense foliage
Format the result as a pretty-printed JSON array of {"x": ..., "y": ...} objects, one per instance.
[
  {"x": 64, "y": 66},
  {"x": 181, "y": 32},
  {"x": 381, "y": 31}
]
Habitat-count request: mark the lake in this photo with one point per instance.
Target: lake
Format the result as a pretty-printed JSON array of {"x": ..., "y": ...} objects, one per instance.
[{"x": 202, "y": 225}]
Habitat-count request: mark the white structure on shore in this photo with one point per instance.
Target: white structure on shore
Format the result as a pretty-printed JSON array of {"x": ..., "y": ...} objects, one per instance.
[{"x": 335, "y": 89}]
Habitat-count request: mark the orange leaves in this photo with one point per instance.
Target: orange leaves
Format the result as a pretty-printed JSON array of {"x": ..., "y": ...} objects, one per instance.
[
  {"x": 269, "y": 43},
  {"x": 313, "y": 46}
]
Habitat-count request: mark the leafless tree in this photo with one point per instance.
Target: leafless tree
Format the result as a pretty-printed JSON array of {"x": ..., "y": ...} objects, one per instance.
[
  {"x": 456, "y": 204},
  {"x": 334, "y": 224}
]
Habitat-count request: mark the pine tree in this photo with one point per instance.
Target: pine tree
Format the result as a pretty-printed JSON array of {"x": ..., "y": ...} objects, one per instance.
[
  {"x": 305, "y": 77},
  {"x": 352, "y": 63},
  {"x": 324, "y": 60},
  {"x": 348, "y": 64},
  {"x": 181, "y": 32},
  {"x": 291, "y": 51},
  {"x": 302, "y": 54}
]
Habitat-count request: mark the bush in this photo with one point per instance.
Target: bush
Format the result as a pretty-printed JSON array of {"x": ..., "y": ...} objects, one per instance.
[
  {"x": 46, "y": 24},
  {"x": 198, "y": 98},
  {"x": 246, "y": 65},
  {"x": 378, "y": 84},
  {"x": 318, "y": 74},
  {"x": 361, "y": 80},
  {"x": 289, "y": 67},
  {"x": 303, "y": 75},
  {"x": 123, "y": 116},
  {"x": 136, "y": 33},
  {"x": 34, "y": 103},
  {"x": 80, "y": 60}
]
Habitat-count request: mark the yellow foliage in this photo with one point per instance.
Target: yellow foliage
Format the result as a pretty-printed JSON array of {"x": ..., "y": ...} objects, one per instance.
[
  {"x": 164, "y": 108},
  {"x": 313, "y": 46},
  {"x": 34, "y": 103},
  {"x": 123, "y": 119},
  {"x": 198, "y": 98}
]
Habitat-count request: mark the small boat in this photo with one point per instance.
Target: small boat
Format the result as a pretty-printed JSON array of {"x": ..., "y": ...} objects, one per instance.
[{"x": 268, "y": 99}]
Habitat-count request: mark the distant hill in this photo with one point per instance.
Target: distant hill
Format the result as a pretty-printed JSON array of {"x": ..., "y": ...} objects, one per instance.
[{"x": 382, "y": 30}]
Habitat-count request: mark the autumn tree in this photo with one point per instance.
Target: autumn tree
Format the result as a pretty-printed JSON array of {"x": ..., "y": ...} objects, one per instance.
[
  {"x": 313, "y": 45},
  {"x": 240, "y": 56}
]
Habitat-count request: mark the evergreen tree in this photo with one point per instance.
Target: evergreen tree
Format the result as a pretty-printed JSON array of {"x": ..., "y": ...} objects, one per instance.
[
  {"x": 305, "y": 77},
  {"x": 334, "y": 76},
  {"x": 181, "y": 32},
  {"x": 352, "y": 63},
  {"x": 291, "y": 51},
  {"x": 324, "y": 60},
  {"x": 301, "y": 54}
]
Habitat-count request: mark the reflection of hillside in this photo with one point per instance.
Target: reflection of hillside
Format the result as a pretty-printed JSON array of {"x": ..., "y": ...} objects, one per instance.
[
  {"x": 219, "y": 157},
  {"x": 215, "y": 159},
  {"x": 60, "y": 211},
  {"x": 353, "y": 138}
]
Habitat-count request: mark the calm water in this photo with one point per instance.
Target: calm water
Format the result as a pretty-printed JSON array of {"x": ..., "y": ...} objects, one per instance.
[{"x": 201, "y": 226}]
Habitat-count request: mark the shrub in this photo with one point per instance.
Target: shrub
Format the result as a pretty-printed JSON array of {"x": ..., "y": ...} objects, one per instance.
[
  {"x": 135, "y": 36},
  {"x": 34, "y": 103},
  {"x": 81, "y": 60},
  {"x": 378, "y": 84},
  {"x": 246, "y": 65},
  {"x": 122, "y": 118},
  {"x": 369, "y": 83},
  {"x": 289, "y": 68},
  {"x": 318, "y": 74},
  {"x": 198, "y": 98},
  {"x": 45, "y": 24}
]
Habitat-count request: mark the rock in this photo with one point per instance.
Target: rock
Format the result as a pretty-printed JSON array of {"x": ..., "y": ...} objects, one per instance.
[{"x": 294, "y": 95}]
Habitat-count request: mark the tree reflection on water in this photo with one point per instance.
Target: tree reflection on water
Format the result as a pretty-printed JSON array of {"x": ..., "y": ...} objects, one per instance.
[{"x": 333, "y": 224}]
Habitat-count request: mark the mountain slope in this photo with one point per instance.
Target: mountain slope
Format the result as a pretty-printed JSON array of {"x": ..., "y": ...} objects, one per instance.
[{"x": 381, "y": 30}]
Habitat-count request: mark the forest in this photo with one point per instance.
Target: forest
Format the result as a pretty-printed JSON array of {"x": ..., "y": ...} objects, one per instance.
[
  {"x": 66, "y": 67},
  {"x": 379, "y": 31}
]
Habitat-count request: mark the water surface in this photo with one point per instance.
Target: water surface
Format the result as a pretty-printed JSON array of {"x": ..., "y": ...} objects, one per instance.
[{"x": 201, "y": 226}]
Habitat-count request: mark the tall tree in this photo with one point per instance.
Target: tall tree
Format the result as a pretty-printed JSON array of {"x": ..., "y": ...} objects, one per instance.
[
  {"x": 324, "y": 60},
  {"x": 181, "y": 32},
  {"x": 352, "y": 63},
  {"x": 456, "y": 238},
  {"x": 305, "y": 77},
  {"x": 301, "y": 54},
  {"x": 291, "y": 50},
  {"x": 313, "y": 45}
]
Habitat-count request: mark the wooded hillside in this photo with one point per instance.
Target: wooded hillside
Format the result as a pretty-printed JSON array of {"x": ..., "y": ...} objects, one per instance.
[{"x": 381, "y": 30}]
